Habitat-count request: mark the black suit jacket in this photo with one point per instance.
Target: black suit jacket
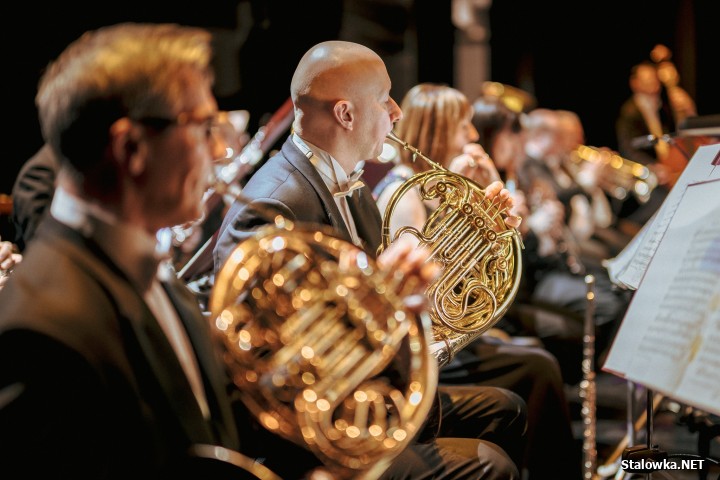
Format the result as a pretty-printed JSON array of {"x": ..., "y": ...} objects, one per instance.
[
  {"x": 32, "y": 193},
  {"x": 630, "y": 125},
  {"x": 290, "y": 185},
  {"x": 91, "y": 388}
]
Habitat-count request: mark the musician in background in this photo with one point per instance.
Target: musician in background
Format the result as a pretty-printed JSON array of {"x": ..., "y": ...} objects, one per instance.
[
  {"x": 553, "y": 273},
  {"x": 606, "y": 240},
  {"x": 343, "y": 112},
  {"x": 650, "y": 112},
  {"x": 437, "y": 120},
  {"x": 644, "y": 113},
  {"x": 10, "y": 257},
  {"x": 552, "y": 136},
  {"x": 32, "y": 193},
  {"x": 452, "y": 144},
  {"x": 571, "y": 135},
  {"x": 542, "y": 171}
]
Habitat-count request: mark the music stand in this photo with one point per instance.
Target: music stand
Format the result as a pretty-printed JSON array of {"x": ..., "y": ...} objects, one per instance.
[
  {"x": 653, "y": 459},
  {"x": 667, "y": 352}
]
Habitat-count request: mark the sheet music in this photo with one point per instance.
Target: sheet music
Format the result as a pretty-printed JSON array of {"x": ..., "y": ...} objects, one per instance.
[
  {"x": 702, "y": 379},
  {"x": 616, "y": 266},
  {"x": 670, "y": 337},
  {"x": 630, "y": 265}
]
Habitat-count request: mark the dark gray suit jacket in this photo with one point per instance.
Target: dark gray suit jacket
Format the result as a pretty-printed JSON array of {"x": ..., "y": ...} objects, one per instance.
[
  {"x": 288, "y": 184},
  {"x": 90, "y": 386}
]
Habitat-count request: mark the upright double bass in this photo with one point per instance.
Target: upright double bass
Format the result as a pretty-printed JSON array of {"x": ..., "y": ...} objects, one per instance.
[{"x": 681, "y": 147}]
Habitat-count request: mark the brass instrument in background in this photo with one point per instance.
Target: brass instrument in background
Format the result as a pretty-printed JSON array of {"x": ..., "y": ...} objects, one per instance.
[
  {"x": 514, "y": 98},
  {"x": 618, "y": 176},
  {"x": 321, "y": 348},
  {"x": 479, "y": 255}
]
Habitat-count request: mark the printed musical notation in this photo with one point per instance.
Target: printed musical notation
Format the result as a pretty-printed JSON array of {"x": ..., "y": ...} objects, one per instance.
[
  {"x": 670, "y": 337},
  {"x": 629, "y": 267}
]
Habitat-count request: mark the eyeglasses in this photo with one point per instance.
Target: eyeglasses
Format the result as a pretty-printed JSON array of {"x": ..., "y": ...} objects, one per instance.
[{"x": 210, "y": 124}]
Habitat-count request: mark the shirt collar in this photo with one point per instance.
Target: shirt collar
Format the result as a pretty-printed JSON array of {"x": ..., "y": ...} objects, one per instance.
[
  {"x": 132, "y": 249},
  {"x": 334, "y": 176},
  {"x": 647, "y": 102}
]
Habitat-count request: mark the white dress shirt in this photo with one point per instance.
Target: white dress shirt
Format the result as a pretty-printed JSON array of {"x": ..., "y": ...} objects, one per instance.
[{"x": 339, "y": 184}]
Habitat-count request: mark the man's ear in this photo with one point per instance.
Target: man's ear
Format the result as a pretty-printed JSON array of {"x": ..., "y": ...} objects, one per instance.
[
  {"x": 344, "y": 114},
  {"x": 125, "y": 139}
]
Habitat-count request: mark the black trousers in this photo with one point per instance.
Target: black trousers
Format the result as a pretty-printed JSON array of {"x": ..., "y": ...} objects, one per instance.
[
  {"x": 480, "y": 436},
  {"x": 452, "y": 459},
  {"x": 563, "y": 334},
  {"x": 534, "y": 374}
]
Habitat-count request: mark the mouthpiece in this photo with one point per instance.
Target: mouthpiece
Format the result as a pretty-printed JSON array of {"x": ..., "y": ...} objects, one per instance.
[
  {"x": 414, "y": 151},
  {"x": 395, "y": 138}
]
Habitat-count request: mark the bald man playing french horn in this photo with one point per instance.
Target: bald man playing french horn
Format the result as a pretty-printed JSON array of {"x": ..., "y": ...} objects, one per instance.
[{"x": 343, "y": 113}]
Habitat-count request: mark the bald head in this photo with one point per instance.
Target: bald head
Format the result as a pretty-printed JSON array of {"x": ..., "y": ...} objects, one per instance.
[
  {"x": 541, "y": 118},
  {"x": 572, "y": 133},
  {"x": 542, "y": 126},
  {"x": 341, "y": 94},
  {"x": 332, "y": 70}
]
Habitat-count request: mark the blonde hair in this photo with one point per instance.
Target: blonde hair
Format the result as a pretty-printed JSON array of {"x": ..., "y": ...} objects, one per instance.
[
  {"x": 129, "y": 69},
  {"x": 431, "y": 116}
]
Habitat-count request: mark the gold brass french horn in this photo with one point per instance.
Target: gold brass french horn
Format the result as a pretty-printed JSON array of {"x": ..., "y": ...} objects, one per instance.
[
  {"x": 322, "y": 349},
  {"x": 479, "y": 255}
]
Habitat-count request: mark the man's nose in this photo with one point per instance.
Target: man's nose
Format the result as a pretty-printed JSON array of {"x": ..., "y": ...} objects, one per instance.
[{"x": 395, "y": 112}]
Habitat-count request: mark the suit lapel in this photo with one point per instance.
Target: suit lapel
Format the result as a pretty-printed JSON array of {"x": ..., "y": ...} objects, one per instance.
[
  {"x": 200, "y": 338},
  {"x": 153, "y": 361},
  {"x": 167, "y": 371},
  {"x": 296, "y": 158}
]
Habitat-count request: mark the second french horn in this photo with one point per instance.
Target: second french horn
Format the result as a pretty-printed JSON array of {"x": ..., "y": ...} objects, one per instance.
[
  {"x": 322, "y": 349},
  {"x": 480, "y": 255}
]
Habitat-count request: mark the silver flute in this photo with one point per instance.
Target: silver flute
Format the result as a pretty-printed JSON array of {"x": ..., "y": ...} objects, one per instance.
[{"x": 587, "y": 386}]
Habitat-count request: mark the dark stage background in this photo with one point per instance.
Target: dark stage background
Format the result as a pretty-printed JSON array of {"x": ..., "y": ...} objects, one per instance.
[{"x": 571, "y": 55}]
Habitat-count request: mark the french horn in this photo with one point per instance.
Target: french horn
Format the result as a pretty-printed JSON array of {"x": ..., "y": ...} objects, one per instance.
[
  {"x": 321, "y": 348},
  {"x": 479, "y": 254}
]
